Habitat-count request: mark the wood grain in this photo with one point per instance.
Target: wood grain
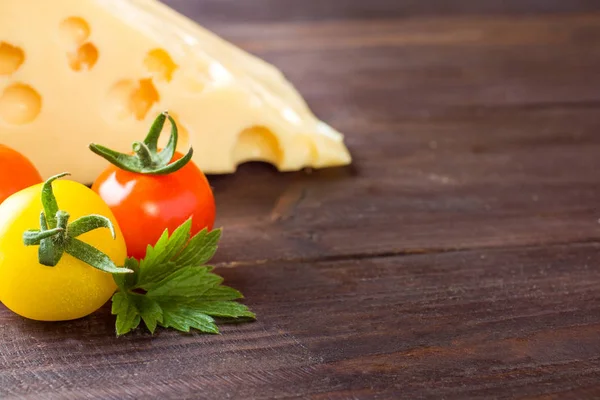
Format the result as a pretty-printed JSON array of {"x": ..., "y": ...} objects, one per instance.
[
  {"x": 232, "y": 11},
  {"x": 455, "y": 325},
  {"x": 411, "y": 68},
  {"x": 478, "y": 180},
  {"x": 456, "y": 125},
  {"x": 456, "y": 258}
]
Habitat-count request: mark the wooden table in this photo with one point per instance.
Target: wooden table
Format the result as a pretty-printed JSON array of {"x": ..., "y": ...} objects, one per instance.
[{"x": 458, "y": 257}]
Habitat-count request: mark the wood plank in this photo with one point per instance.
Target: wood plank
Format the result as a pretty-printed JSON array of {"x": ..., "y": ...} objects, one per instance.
[
  {"x": 407, "y": 67},
  {"x": 475, "y": 142},
  {"x": 232, "y": 11},
  {"x": 470, "y": 324},
  {"x": 470, "y": 136},
  {"x": 486, "y": 179}
]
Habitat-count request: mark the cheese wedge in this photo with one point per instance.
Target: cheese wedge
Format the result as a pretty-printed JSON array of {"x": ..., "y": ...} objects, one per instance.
[{"x": 79, "y": 71}]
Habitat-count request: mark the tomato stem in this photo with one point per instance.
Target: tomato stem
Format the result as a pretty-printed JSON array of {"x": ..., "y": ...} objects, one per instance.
[
  {"x": 62, "y": 219},
  {"x": 33, "y": 237},
  {"x": 56, "y": 236},
  {"x": 144, "y": 154},
  {"x": 146, "y": 158},
  {"x": 49, "y": 201}
]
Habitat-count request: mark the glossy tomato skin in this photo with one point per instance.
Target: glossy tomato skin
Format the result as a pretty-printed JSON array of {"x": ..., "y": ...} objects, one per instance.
[
  {"x": 21, "y": 172},
  {"x": 146, "y": 205}
]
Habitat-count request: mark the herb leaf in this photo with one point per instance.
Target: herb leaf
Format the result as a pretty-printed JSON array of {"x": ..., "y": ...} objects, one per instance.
[
  {"x": 128, "y": 281},
  {"x": 222, "y": 293},
  {"x": 186, "y": 283},
  {"x": 202, "y": 248},
  {"x": 150, "y": 311},
  {"x": 128, "y": 317},
  {"x": 224, "y": 309},
  {"x": 156, "y": 265},
  {"x": 171, "y": 287},
  {"x": 183, "y": 317}
]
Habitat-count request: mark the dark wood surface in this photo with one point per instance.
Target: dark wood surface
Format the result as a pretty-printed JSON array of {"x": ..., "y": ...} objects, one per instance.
[{"x": 458, "y": 257}]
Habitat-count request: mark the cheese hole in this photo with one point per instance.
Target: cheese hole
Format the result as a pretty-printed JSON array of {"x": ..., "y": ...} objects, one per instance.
[
  {"x": 84, "y": 58},
  {"x": 74, "y": 31},
  {"x": 130, "y": 98},
  {"x": 11, "y": 58},
  {"x": 257, "y": 144},
  {"x": 160, "y": 64},
  {"x": 20, "y": 104},
  {"x": 118, "y": 98},
  {"x": 144, "y": 98}
]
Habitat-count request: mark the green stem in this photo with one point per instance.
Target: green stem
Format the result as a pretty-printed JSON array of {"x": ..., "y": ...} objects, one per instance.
[
  {"x": 151, "y": 139},
  {"x": 49, "y": 201},
  {"x": 146, "y": 158},
  {"x": 89, "y": 223},
  {"x": 34, "y": 237},
  {"x": 144, "y": 154},
  {"x": 56, "y": 236},
  {"x": 62, "y": 219}
]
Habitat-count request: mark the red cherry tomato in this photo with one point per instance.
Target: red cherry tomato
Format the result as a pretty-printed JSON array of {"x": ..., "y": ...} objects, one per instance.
[
  {"x": 17, "y": 172},
  {"x": 144, "y": 205}
]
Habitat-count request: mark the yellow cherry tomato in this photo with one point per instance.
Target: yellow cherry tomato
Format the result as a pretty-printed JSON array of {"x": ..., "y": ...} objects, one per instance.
[{"x": 72, "y": 288}]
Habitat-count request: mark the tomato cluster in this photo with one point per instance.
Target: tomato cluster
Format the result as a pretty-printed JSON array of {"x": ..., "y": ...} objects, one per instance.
[{"x": 136, "y": 198}]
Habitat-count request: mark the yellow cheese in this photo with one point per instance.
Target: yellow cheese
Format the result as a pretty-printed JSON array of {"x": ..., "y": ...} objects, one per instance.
[{"x": 79, "y": 71}]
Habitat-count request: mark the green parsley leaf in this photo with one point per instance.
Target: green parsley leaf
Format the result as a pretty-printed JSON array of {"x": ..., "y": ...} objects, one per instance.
[
  {"x": 128, "y": 317},
  {"x": 201, "y": 248},
  {"x": 171, "y": 287},
  {"x": 183, "y": 317},
  {"x": 132, "y": 308},
  {"x": 150, "y": 311},
  {"x": 188, "y": 282},
  {"x": 127, "y": 281},
  {"x": 223, "y": 309},
  {"x": 223, "y": 293},
  {"x": 158, "y": 261}
]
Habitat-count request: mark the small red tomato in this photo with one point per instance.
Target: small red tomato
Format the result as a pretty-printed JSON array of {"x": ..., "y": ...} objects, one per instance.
[
  {"x": 17, "y": 172},
  {"x": 151, "y": 191}
]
